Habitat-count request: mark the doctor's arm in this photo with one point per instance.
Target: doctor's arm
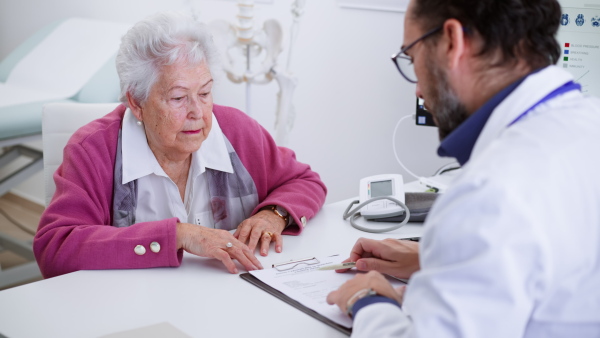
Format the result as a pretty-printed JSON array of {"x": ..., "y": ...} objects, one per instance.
[{"x": 479, "y": 276}]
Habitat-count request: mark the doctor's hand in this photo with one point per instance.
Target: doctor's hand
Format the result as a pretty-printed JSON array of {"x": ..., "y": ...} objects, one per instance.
[
  {"x": 215, "y": 243},
  {"x": 373, "y": 280},
  {"x": 392, "y": 257},
  {"x": 264, "y": 227}
]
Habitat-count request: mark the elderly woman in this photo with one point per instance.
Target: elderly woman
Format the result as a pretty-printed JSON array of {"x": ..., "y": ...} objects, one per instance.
[{"x": 168, "y": 171}]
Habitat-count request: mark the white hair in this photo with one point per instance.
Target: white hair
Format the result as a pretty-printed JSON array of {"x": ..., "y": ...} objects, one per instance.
[{"x": 160, "y": 40}]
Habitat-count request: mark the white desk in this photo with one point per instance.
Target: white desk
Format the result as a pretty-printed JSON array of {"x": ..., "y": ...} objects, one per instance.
[{"x": 199, "y": 298}]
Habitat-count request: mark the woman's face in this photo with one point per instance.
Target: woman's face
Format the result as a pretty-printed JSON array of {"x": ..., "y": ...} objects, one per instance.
[{"x": 177, "y": 116}]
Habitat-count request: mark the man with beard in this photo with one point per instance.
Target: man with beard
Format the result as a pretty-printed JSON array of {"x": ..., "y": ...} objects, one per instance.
[{"x": 512, "y": 249}]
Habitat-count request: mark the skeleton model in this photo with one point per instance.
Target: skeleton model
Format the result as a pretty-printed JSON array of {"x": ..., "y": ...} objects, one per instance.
[{"x": 250, "y": 55}]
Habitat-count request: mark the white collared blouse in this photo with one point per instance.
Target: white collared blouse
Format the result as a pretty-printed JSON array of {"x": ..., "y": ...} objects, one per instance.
[{"x": 158, "y": 196}]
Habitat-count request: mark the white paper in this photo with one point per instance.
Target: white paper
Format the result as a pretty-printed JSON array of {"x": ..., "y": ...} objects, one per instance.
[
  {"x": 310, "y": 287},
  {"x": 68, "y": 57}
]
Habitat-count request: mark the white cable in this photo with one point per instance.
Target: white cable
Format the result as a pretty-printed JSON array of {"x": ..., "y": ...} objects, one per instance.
[
  {"x": 354, "y": 214},
  {"x": 394, "y": 146}
]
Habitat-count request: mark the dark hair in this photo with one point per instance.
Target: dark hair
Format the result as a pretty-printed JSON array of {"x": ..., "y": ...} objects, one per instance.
[{"x": 517, "y": 28}]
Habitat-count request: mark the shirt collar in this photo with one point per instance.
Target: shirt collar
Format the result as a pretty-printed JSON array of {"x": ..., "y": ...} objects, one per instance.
[
  {"x": 213, "y": 153},
  {"x": 139, "y": 161},
  {"x": 460, "y": 142}
]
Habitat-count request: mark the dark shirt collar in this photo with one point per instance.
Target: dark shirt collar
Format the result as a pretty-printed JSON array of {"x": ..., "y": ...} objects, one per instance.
[{"x": 460, "y": 142}]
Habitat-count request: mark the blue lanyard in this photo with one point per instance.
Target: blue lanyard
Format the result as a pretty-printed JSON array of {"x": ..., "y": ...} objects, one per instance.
[{"x": 567, "y": 87}]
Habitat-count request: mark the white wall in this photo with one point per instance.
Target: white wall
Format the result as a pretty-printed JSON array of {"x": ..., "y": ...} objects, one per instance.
[{"x": 349, "y": 95}]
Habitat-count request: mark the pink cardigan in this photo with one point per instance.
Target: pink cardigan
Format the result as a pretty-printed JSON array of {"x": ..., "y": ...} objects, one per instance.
[{"x": 75, "y": 231}]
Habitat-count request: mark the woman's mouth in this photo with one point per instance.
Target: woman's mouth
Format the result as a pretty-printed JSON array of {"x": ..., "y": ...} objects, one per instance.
[{"x": 191, "y": 132}]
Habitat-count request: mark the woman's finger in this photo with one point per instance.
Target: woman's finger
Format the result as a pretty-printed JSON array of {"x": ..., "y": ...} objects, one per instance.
[
  {"x": 244, "y": 232},
  {"x": 265, "y": 241},
  {"x": 241, "y": 256},
  {"x": 225, "y": 258},
  {"x": 252, "y": 258},
  {"x": 255, "y": 236},
  {"x": 278, "y": 242}
]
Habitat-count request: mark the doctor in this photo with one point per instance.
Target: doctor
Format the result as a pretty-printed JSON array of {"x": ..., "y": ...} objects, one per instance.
[{"x": 513, "y": 248}]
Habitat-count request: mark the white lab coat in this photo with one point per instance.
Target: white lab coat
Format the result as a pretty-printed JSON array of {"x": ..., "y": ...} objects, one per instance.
[{"x": 512, "y": 249}]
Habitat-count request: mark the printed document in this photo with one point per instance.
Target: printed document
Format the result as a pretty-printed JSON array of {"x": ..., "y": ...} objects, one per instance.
[{"x": 301, "y": 281}]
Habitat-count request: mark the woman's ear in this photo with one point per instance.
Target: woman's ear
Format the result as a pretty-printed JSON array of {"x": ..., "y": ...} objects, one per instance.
[{"x": 136, "y": 109}]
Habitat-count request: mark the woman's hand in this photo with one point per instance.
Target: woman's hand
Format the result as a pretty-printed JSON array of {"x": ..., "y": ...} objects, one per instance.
[
  {"x": 265, "y": 226},
  {"x": 394, "y": 257},
  {"x": 213, "y": 243}
]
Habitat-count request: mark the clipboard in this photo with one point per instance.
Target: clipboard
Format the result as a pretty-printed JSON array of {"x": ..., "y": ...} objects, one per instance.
[{"x": 257, "y": 282}]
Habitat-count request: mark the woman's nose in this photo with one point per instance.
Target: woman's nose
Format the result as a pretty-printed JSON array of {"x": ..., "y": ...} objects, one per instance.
[{"x": 196, "y": 109}]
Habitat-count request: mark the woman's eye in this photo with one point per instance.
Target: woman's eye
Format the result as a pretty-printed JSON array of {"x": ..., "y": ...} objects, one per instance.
[
  {"x": 204, "y": 94},
  {"x": 178, "y": 98}
]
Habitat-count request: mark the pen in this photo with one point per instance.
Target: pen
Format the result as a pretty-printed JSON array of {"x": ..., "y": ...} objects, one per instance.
[
  {"x": 414, "y": 239},
  {"x": 347, "y": 265}
]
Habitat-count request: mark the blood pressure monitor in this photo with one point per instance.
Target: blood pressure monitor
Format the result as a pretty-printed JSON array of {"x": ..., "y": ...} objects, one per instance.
[
  {"x": 381, "y": 198},
  {"x": 380, "y": 186}
]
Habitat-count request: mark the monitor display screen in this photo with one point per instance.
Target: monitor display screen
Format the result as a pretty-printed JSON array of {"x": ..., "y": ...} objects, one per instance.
[{"x": 381, "y": 188}]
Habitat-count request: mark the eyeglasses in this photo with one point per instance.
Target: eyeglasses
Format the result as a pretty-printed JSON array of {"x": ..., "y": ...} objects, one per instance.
[{"x": 404, "y": 62}]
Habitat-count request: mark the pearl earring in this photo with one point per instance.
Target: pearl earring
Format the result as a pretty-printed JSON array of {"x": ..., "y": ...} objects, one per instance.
[{"x": 139, "y": 123}]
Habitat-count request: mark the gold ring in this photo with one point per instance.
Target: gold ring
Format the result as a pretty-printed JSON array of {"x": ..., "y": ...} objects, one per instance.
[{"x": 268, "y": 233}]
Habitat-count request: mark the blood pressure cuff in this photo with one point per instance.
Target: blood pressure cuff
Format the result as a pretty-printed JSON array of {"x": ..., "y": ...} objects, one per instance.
[{"x": 419, "y": 204}]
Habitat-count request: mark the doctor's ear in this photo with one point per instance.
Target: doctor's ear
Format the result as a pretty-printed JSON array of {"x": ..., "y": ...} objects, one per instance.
[
  {"x": 454, "y": 41},
  {"x": 135, "y": 107}
]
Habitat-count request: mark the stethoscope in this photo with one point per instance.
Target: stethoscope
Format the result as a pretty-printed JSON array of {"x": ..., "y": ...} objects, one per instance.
[{"x": 567, "y": 87}]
